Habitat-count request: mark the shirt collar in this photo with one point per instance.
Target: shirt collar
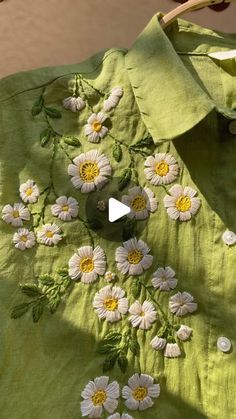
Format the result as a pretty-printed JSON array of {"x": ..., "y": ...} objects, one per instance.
[{"x": 170, "y": 100}]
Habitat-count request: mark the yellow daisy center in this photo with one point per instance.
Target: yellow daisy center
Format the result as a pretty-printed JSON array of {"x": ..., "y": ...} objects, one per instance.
[
  {"x": 97, "y": 126},
  {"x": 99, "y": 397},
  {"x": 183, "y": 203},
  {"x": 29, "y": 191},
  {"x": 162, "y": 168},
  {"x": 24, "y": 238},
  {"x": 87, "y": 264},
  {"x": 49, "y": 234},
  {"x": 65, "y": 208},
  {"x": 135, "y": 256},
  {"x": 15, "y": 214},
  {"x": 140, "y": 393},
  {"x": 138, "y": 203},
  {"x": 88, "y": 171},
  {"x": 111, "y": 304}
]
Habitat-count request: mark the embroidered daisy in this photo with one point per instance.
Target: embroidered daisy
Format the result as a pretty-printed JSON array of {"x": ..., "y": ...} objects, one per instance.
[
  {"x": 158, "y": 343},
  {"x": 182, "y": 303},
  {"x": 110, "y": 304},
  {"x": 90, "y": 171},
  {"x": 65, "y": 208},
  {"x": 15, "y": 215},
  {"x": 29, "y": 191},
  {"x": 172, "y": 350},
  {"x": 87, "y": 264},
  {"x": 119, "y": 416},
  {"x": 184, "y": 332},
  {"x": 141, "y": 202},
  {"x": 49, "y": 235},
  {"x": 99, "y": 395},
  {"x": 110, "y": 276},
  {"x": 24, "y": 239},
  {"x": 161, "y": 169},
  {"x": 142, "y": 315},
  {"x": 113, "y": 99},
  {"x": 94, "y": 128},
  {"x": 73, "y": 103},
  {"x": 164, "y": 279},
  {"x": 140, "y": 391},
  {"x": 181, "y": 203},
  {"x": 133, "y": 257}
]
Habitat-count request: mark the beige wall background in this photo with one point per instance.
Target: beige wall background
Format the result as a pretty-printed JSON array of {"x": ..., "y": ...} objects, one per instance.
[{"x": 51, "y": 32}]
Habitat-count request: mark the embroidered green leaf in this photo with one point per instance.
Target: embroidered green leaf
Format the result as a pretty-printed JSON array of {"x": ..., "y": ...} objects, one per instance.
[
  {"x": 110, "y": 361},
  {"x": 136, "y": 288},
  {"x": 104, "y": 348},
  {"x": 123, "y": 362},
  {"x": 95, "y": 224},
  {"x": 117, "y": 152},
  {"x": 46, "y": 280},
  {"x": 54, "y": 303},
  {"x": 37, "y": 106},
  {"x": 128, "y": 229},
  {"x": 52, "y": 112},
  {"x": 144, "y": 142},
  {"x": 113, "y": 337},
  {"x": 37, "y": 311},
  {"x": 20, "y": 310},
  {"x": 63, "y": 272},
  {"x": 30, "y": 290},
  {"x": 72, "y": 141},
  {"x": 125, "y": 178},
  {"x": 45, "y": 136},
  {"x": 134, "y": 347}
]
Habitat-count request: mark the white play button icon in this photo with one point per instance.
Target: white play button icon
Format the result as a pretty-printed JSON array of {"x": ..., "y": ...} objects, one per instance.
[{"x": 116, "y": 210}]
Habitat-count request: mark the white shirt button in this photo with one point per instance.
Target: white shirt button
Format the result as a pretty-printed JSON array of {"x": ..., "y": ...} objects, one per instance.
[
  {"x": 229, "y": 237},
  {"x": 223, "y": 344},
  {"x": 232, "y": 127}
]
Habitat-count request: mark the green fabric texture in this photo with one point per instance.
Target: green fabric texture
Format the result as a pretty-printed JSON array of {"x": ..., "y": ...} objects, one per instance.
[{"x": 176, "y": 100}]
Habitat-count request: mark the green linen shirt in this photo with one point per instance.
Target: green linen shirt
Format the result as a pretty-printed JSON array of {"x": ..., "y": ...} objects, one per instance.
[{"x": 137, "y": 320}]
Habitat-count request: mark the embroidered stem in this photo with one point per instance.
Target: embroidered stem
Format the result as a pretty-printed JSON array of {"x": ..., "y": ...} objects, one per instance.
[
  {"x": 88, "y": 230},
  {"x": 84, "y": 93},
  {"x": 168, "y": 325}
]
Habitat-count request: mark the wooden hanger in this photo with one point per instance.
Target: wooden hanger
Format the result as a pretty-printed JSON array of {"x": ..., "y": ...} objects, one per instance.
[{"x": 187, "y": 7}]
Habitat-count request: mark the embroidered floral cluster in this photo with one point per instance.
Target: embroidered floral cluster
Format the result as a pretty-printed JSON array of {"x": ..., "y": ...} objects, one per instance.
[
  {"x": 65, "y": 208},
  {"x": 100, "y": 396}
]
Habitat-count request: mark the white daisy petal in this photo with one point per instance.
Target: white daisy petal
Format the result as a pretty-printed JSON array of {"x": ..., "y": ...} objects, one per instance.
[
  {"x": 161, "y": 169},
  {"x": 133, "y": 257},
  {"x": 16, "y": 214},
  {"x": 94, "y": 128},
  {"x": 98, "y": 396},
  {"x": 181, "y": 203},
  {"x": 87, "y": 264},
  {"x": 24, "y": 239},
  {"x": 164, "y": 279},
  {"x": 141, "y": 202},
  {"x": 142, "y": 315},
  {"x": 29, "y": 191},
  {"x": 182, "y": 303},
  {"x": 109, "y": 303},
  {"x": 90, "y": 171},
  {"x": 140, "y": 391},
  {"x": 65, "y": 208}
]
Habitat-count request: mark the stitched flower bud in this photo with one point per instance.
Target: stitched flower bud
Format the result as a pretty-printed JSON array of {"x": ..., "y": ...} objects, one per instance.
[
  {"x": 184, "y": 332},
  {"x": 158, "y": 343},
  {"x": 172, "y": 350},
  {"x": 113, "y": 99},
  {"x": 73, "y": 103}
]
